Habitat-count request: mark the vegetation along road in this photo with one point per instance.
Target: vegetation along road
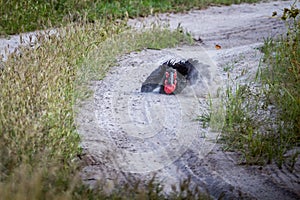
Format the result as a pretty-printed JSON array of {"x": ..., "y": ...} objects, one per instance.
[{"x": 75, "y": 125}]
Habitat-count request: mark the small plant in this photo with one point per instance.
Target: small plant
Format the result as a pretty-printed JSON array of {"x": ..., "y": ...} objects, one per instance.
[
  {"x": 187, "y": 191},
  {"x": 204, "y": 119}
]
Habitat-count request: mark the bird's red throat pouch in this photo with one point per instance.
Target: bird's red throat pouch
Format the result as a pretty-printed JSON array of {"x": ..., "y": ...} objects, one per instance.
[{"x": 170, "y": 82}]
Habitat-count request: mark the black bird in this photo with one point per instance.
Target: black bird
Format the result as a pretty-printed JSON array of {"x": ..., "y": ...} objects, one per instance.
[{"x": 171, "y": 77}]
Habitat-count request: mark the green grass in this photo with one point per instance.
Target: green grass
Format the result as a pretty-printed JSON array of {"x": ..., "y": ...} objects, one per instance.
[
  {"x": 106, "y": 53},
  {"x": 28, "y": 15},
  {"x": 263, "y": 119},
  {"x": 39, "y": 87}
]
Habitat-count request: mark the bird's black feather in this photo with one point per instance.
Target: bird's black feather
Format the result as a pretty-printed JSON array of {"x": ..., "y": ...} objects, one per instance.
[{"x": 186, "y": 73}]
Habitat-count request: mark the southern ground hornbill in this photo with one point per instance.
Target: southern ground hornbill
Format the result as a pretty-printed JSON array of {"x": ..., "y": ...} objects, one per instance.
[{"x": 171, "y": 77}]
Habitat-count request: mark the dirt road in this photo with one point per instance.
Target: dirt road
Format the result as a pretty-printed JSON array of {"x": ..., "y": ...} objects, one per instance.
[{"x": 127, "y": 132}]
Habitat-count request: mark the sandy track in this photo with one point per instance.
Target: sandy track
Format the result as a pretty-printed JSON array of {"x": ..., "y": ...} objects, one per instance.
[{"x": 127, "y": 132}]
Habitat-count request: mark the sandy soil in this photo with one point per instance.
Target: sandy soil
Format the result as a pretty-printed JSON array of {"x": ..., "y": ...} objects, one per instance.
[{"x": 127, "y": 133}]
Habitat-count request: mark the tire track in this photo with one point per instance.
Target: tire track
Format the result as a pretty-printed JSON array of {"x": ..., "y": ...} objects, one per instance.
[{"x": 145, "y": 127}]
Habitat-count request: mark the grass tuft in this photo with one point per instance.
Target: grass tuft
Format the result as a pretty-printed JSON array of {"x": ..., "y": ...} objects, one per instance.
[{"x": 263, "y": 117}]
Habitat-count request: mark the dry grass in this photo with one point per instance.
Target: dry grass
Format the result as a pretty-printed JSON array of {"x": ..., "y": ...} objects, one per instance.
[{"x": 39, "y": 87}]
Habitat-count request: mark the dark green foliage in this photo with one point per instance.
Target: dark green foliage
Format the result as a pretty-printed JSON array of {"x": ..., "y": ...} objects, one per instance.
[{"x": 28, "y": 15}]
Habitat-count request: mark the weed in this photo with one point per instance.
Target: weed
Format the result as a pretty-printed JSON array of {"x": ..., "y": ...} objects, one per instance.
[{"x": 187, "y": 191}]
